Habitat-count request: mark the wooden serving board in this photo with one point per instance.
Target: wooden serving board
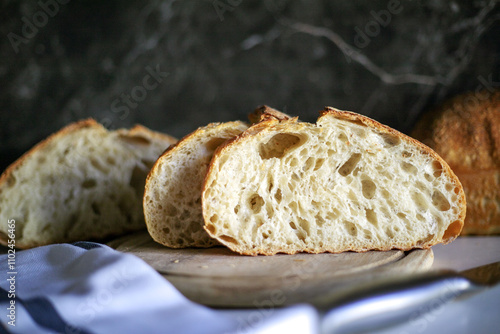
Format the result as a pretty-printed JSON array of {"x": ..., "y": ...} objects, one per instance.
[{"x": 219, "y": 277}]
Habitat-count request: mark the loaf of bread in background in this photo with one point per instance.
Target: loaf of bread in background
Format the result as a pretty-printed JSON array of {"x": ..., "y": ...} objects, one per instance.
[
  {"x": 172, "y": 196},
  {"x": 82, "y": 183},
  {"x": 346, "y": 183},
  {"x": 465, "y": 131}
]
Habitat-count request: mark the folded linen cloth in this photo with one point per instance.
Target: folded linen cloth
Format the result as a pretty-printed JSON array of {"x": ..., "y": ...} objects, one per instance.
[{"x": 86, "y": 288}]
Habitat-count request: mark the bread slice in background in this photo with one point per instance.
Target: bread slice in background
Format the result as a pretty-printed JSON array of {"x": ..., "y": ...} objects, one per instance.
[
  {"x": 81, "y": 183},
  {"x": 346, "y": 183},
  {"x": 465, "y": 131},
  {"x": 172, "y": 197}
]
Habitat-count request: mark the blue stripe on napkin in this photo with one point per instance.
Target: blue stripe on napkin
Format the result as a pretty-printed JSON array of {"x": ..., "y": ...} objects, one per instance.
[
  {"x": 87, "y": 245},
  {"x": 43, "y": 313}
]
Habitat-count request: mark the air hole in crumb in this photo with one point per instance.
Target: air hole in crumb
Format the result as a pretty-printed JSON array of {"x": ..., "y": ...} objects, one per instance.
[
  {"x": 320, "y": 221},
  {"x": 406, "y": 154},
  {"x": 428, "y": 177},
  {"x": 389, "y": 233},
  {"x": 351, "y": 228},
  {"x": 304, "y": 224},
  {"x": 11, "y": 180},
  {"x": 409, "y": 168},
  {"x": 213, "y": 143},
  {"x": 309, "y": 163},
  {"x": 229, "y": 239},
  {"x": 390, "y": 140},
  {"x": 352, "y": 197},
  {"x": 294, "y": 162},
  {"x": 256, "y": 202},
  {"x": 97, "y": 165},
  {"x": 171, "y": 210},
  {"x": 440, "y": 202},
  {"x": 360, "y": 132},
  {"x": 89, "y": 183},
  {"x": 371, "y": 216},
  {"x": 270, "y": 183},
  {"x": 292, "y": 225},
  {"x": 278, "y": 196},
  {"x": 319, "y": 163},
  {"x": 333, "y": 215},
  {"x": 420, "y": 201},
  {"x": 166, "y": 230},
  {"x": 350, "y": 164},
  {"x": 237, "y": 209},
  {"x": 278, "y": 145},
  {"x": 386, "y": 194},
  {"x": 211, "y": 228},
  {"x": 453, "y": 230},
  {"x": 437, "y": 168},
  {"x": 110, "y": 160},
  {"x": 342, "y": 137},
  {"x": 301, "y": 237},
  {"x": 369, "y": 188}
]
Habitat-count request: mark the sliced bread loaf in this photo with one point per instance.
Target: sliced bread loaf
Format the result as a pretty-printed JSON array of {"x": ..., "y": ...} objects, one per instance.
[
  {"x": 172, "y": 197},
  {"x": 346, "y": 183},
  {"x": 82, "y": 183}
]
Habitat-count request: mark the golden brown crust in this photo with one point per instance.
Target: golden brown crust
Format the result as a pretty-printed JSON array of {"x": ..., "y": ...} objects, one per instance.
[
  {"x": 268, "y": 122},
  {"x": 465, "y": 131},
  {"x": 139, "y": 130},
  {"x": 263, "y": 112}
]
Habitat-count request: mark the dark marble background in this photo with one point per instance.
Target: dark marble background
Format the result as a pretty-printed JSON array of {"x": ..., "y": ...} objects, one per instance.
[{"x": 177, "y": 65}]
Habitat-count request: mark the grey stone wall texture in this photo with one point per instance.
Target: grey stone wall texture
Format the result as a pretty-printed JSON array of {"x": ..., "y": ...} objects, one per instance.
[{"x": 176, "y": 65}]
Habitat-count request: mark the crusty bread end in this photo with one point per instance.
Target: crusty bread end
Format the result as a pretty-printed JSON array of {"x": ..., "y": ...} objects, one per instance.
[{"x": 83, "y": 182}]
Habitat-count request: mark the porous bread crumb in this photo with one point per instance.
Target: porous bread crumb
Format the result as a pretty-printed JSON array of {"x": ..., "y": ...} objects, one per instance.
[{"x": 345, "y": 183}]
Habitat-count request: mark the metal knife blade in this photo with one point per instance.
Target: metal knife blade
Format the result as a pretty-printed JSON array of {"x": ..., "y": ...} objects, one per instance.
[{"x": 392, "y": 300}]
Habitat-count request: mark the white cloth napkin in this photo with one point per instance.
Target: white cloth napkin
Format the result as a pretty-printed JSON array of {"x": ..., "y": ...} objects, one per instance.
[{"x": 91, "y": 288}]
